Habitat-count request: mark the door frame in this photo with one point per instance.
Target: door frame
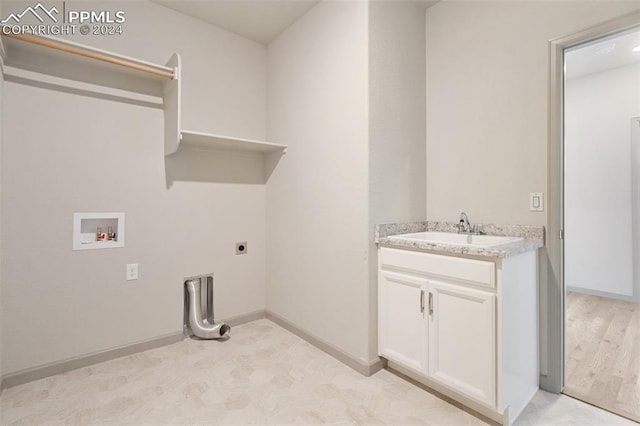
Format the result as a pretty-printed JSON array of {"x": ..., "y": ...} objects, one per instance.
[{"x": 552, "y": 268}]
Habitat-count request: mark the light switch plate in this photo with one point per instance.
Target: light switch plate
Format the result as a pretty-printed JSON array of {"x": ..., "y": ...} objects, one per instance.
[
  {"x": 536, "y": 202},
  {"x": 132, "y": 271}
]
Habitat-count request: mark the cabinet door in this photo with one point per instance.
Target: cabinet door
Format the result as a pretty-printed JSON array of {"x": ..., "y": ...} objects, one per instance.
[
  {"x": 462, "y": 352},
  {"x": 402, "y": 327}
]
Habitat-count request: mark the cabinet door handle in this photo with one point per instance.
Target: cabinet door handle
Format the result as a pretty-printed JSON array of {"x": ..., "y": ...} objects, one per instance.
[
  {"x": 430, "y": 303},
  {"x": 422, "y": 301}
]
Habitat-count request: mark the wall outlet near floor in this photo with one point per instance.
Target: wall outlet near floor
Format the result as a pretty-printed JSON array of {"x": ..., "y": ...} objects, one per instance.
[
  {"x": 241, "y": 247},
  {"x": 132, "y": 271},
  {"x": 536, "y": 203}
]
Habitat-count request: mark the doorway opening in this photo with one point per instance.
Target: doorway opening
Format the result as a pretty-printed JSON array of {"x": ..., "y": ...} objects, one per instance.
[{"x": 601, "y": 221}]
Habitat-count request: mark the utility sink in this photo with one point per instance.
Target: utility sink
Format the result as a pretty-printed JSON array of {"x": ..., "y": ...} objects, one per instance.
[{"x": 450, "y": 238}]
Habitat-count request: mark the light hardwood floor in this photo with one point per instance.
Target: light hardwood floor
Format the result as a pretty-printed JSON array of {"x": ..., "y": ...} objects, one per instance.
[{"x": 603, "y": 353}]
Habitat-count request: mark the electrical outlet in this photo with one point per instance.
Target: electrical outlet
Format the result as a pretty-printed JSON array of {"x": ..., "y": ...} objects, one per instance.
[
  {"x": 132, "y": 271},
  {"x": 536, "y": 202},
  {"x": 241, "y": 247}
]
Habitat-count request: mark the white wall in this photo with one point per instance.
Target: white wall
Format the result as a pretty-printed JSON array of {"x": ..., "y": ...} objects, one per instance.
[
  {"x": 318, "y": 196},
  {"x": 487, "y": 83},
  {"x": 487, "y": 116},
  {"x": 89, "y": 154},
  {"x": 397, "y": 169},
  {"x": 346, "y": 93},
  {"x": 1, "y": 136},
  {"x": 397, "y": 108},
  {"x": 635, "y": 199},
  {"x": 598, "y": 109}
]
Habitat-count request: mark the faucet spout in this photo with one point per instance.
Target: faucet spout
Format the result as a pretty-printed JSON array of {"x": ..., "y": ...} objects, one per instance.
[{"x": 463, "y": 225}]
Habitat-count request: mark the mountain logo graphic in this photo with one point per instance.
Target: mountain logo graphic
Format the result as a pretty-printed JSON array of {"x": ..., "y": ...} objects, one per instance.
[{"x": 16, "y": 17}]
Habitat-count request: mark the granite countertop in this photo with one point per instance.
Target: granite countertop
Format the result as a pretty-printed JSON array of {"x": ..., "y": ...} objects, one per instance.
[{"x": 533, "y": 238}]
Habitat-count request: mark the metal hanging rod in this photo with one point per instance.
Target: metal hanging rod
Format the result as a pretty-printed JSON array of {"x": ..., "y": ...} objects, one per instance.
[{"x": 89, "y": 52}]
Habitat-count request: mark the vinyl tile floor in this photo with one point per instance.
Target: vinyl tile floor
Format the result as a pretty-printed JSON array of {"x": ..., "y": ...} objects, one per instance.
[{"x": 262, "y": 375}]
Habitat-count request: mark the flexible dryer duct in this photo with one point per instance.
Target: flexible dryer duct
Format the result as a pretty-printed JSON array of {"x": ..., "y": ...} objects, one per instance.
[{"x": 202, "y": 326}]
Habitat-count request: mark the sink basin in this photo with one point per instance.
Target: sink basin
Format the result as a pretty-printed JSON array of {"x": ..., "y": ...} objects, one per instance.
[{"x": 450, "y": 238}]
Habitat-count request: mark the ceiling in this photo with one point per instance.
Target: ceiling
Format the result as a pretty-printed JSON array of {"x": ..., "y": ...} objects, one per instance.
[
  {"x": 258, "y": 20},
  {"x": 603, "y": 54}
]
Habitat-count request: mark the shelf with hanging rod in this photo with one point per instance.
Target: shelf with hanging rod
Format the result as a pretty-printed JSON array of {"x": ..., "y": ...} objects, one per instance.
[
  {"x": 167, "y": 75},
  {"x": 73, "y": 48}
]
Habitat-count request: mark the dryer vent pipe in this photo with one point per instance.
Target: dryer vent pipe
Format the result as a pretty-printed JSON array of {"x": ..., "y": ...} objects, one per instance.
[{"x": 200, "y": 317}]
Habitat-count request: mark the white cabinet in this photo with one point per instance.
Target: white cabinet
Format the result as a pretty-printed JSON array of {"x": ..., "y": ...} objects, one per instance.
[
  {"x": 439, "y": 329},
  {"x": 462, "y": 340},
  {"x": 466, "y": 327},
  {"x": 403, "y": 329}
]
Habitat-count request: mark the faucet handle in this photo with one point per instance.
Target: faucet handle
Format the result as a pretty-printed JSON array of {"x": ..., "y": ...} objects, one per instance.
[{"x": 476, "y": 230}]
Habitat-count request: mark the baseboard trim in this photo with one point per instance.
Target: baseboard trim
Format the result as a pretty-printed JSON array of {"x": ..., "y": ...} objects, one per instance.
[
  {"x": 487, "y": 415},
  {"x": 245, "y": 318},
  {"x": 47, "y": 370},
  {"x": 605, "y": 294},
  {"x": 365, "y": 369}
]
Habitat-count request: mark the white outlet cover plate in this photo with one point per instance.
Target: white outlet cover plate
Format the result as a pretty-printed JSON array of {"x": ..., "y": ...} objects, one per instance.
[
  {"x": 132, "y": 271},
  {"x": 536, "y": 202}
]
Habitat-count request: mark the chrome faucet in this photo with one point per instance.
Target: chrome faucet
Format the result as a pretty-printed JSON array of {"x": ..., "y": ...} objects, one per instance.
[{"x": 464, "y": 227}]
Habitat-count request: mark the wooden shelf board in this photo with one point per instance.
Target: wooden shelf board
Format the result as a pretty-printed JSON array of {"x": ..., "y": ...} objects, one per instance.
[
  {"x": 75, "y": 86},
  {"x": 228, "y": 143}
]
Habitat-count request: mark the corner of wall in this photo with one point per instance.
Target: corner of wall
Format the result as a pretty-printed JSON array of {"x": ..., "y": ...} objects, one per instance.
[
  {"x": 397, "y": 141},
  {"x": 318, "y": 105}
]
